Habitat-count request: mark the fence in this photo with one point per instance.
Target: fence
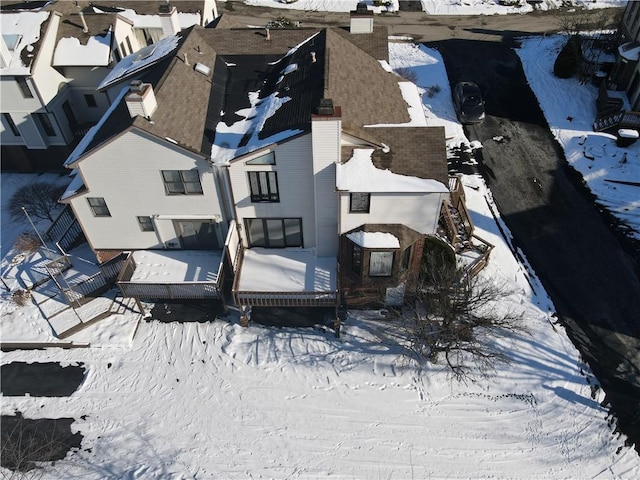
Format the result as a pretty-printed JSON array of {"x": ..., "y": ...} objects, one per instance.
[
  {"x": 286, "y": 299},
  {"x": 79, "y": 292},
  {"x": 169, "y": 291},
  {"x": 65, "y": 230}
]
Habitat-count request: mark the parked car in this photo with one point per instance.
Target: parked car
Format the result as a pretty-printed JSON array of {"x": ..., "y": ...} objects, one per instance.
[{"x": 467, "y": 100}]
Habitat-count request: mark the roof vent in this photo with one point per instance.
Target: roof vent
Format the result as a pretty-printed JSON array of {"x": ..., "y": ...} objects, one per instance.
[
  {"x": 325, "y": 107},
  {"x": 202, "y": 68},
  {"x": 361, "y": 7}
]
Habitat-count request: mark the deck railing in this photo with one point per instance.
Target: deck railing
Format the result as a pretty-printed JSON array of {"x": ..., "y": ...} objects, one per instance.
[
  {"x": 168, "y": 291},
  {"x": 286, "y": 299},
  {"x": 65, "y": 230}
]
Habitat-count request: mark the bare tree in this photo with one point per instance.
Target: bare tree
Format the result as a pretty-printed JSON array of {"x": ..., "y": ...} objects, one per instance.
[
  {"x": 584, "y": 29},
  {"x": 454, "y": 317},
  {"x": 26, "y": 442},
  {"x": 39, "y": 199}
]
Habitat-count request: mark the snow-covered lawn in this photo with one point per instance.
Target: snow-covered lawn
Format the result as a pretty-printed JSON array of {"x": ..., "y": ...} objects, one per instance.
[{"x": 216, "y": 400}]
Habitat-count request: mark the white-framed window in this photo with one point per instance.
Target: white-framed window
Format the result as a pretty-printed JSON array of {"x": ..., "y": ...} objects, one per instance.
[
  {"x": 98, "y": 207},
  {"x": 264, "y": 186},
  {"x": 266, "y": 159},
  {"x": 380, "y": 264},
  {"x": 145, "y": 223},
  {"x": 182, "y": 182}
]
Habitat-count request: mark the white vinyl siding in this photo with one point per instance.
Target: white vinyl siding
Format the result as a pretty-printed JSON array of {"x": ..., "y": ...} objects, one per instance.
[
  {"x": 295, "y": 187},
  {"x": 126, "y": 173},
  {"x": 419, "y": 211},
  {"x": 326, "y": 152}
]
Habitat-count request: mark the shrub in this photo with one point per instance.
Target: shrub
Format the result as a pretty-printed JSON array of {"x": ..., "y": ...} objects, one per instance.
[
  {"x": 566, "y": 65},
  {"x": 21, "y": 297},
  {"x": 28, "y": 242}
]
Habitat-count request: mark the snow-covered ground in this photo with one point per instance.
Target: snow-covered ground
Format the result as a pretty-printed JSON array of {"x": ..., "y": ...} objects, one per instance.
[
  {"x": 215, "y": 400},
  {"x": 438, "y": 7}
]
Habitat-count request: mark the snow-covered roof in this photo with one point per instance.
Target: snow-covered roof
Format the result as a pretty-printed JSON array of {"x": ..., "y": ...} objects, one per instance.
[
  {"x": 186, "y": 20},
  {"x": 19, "y": 31},
  {"x": 228, "y": 137},
  {"x": 140, "y": 59},
  {"x": 88, "y": 137},
  {"x": 288, "y": 270},
  {"x": 96, "y": 52},
  {"x": 374, "y": 239},
  {"x": 360, "y": 175},
  {"x": 76, "y": 185}
]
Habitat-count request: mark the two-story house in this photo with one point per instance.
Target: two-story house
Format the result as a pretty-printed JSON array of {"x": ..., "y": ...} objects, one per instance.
[
  {"x": 293, "y": 163},
  {"x": 56, "y": 54}
]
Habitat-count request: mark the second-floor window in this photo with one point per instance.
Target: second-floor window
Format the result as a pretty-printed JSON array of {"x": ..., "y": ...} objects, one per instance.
[
  {"x": 24, "y": 87},
  {"x": 182, "y": 182},
  {"x": 99, "y": 207},
  {"x": 264, "y": 186},
  {"x": 359, "y": 202}
]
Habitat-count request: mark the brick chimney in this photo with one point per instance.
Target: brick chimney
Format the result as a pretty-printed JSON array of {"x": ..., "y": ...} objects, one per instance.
[
  {"x": 141, "y": 100},
  {"x": 361, "y": 19}
]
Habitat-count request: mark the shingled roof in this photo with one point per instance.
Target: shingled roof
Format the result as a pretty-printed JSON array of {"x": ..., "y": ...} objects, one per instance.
[
  {"x": 356, "y": 82},
  {"x": 413, "y": 151},
  {"x": 302, "y": 65}
]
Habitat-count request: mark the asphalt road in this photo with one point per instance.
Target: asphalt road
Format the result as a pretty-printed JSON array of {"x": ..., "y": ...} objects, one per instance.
[
  {"x": 420, "y": 26},
  {"x": 592, "y": 281}
]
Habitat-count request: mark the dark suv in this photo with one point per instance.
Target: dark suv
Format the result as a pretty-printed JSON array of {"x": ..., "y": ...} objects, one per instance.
[{"x": 467, "y": 100}]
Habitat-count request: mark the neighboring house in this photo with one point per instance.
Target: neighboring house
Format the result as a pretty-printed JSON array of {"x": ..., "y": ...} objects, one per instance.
[
  {"x": 290, "y": 165},
  {"x": 29, "y": 83},
  {"x": 626, "y": 72},
  {"x": 54, "y": 57}
]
